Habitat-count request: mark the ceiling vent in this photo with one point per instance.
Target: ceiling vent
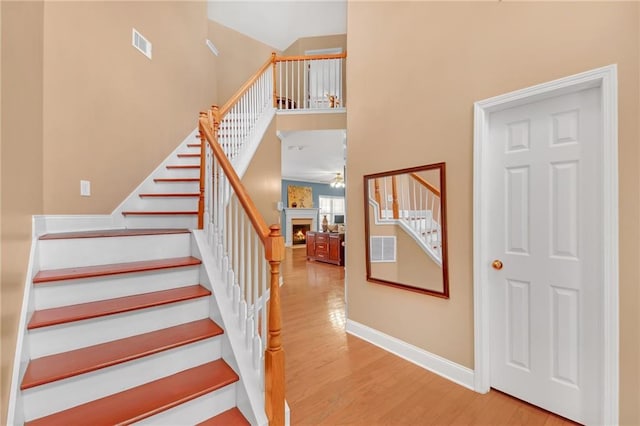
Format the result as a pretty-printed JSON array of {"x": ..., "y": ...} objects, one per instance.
[
  {"x": 383, "y": 249},
  {"x": 141, "y": 43}
]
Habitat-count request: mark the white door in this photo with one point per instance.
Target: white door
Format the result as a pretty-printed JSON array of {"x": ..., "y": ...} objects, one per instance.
[
  {"x": 324, "y": 79},
  {"x": 546, "y": 228}
]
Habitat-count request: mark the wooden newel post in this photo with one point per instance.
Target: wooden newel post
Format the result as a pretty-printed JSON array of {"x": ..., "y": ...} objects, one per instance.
[
  {"x": 395, "y": 205},
  {"x": 203, "y": 142},
  {"x": 273, "y": 65},
  {"x": 274, "y": 356}
]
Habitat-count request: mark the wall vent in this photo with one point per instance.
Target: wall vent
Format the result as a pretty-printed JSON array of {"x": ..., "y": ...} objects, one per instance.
[
  {"x": 383, "y": 249},
  {"x": 141, "y": 43},
  {"x": 212, "y": 47}
]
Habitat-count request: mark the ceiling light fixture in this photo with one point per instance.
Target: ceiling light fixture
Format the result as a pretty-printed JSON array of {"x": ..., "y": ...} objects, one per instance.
[{"x": 338, "y": 181}]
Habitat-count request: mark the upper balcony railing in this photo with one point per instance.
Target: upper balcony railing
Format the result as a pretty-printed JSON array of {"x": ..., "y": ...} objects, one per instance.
[{"x": 311, "y": 82}]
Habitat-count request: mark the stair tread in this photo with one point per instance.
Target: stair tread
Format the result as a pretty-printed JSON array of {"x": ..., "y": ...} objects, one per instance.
[
  {"x": 188, "y": 155},
  {"x": 82, "y": 311},
  {"x": 231, "y": 417},
  {"x": 159, "y": 213},
  {"x": 194, "y": 145},
  {"x": 143, "y": 401},
  {"x": 170, "y": 194},
  {"x": 183, "y": 166},
  {"x": 72, "y": 363},
  {"x": 49, "y": 275},
  {"x": 176, "y": 180},
  {"x": 112, "y": 233}
]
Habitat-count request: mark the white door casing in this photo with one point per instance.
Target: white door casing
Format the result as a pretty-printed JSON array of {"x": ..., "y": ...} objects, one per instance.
[{"x": 545, "y": 203}]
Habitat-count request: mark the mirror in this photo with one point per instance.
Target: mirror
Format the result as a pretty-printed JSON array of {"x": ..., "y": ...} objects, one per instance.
[{"x": 406, "y": 229}]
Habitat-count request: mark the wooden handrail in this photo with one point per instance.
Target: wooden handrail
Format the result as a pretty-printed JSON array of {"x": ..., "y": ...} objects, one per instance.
[
  {"x": 256, "y": 219},
  {"x": 235, "y": 98},
  {"x": 342, "y": 55},
  {"x": 426, "y": 184}
]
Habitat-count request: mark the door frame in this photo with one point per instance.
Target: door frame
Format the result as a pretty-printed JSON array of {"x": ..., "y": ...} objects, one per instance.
[{"x": 604, "y": 78}]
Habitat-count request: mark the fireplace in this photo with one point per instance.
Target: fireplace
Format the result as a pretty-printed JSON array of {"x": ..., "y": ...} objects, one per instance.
[
  {"x": 297, "y": 219},
  {"x": 299, "y": 233}
]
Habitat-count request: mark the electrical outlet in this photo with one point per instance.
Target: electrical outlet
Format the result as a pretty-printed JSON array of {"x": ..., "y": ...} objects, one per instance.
[{"x": 85, "y": 188}]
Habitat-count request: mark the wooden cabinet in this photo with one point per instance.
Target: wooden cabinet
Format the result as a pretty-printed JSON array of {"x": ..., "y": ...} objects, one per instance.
[{"x": 326, "y": 247}]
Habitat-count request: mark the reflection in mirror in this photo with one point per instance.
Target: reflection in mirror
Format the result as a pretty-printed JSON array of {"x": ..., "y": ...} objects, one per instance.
[{"x": 406, "y": 229}]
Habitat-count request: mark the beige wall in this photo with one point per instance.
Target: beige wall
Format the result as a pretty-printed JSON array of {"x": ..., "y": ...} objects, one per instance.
[
  {"x": 21, "y": 159},
  {"x": 263, "y": 177},
  {"x": 288, "y": 122},
  {"x": 240, "y": 58},
  {"x": 79, "y": 102},
  {"x": 110, "y": 114},
  {"x": 443, "y": 57},
  {"x": 303, "y": 44}
]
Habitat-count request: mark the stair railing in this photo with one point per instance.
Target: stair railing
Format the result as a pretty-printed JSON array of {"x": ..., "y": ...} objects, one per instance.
[
  {"x": 309, "y": 82},
  {"x": 238, "y": 117},
  {"x": 415, "y": 204},
  {"x": 249, "y": 253}
]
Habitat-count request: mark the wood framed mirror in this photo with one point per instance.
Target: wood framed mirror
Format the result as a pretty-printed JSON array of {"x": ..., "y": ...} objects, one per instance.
[{"x": 406, "y": 229}]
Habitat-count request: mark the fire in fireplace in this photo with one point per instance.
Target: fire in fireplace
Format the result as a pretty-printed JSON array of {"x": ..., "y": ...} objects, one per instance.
[{"x": 300, "y": 234}]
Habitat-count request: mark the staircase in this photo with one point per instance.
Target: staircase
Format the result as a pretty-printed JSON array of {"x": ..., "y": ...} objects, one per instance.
[
  {"x": 169, "y": 197},
  {"x": 123, "y": 331}
]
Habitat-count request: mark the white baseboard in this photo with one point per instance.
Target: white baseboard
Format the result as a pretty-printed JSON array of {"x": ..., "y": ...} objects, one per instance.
[{"x": 436, "y": 364}]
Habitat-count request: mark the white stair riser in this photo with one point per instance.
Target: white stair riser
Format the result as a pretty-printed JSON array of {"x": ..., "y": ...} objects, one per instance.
[
  {"x": 53, "y": 397},
  {"x": 197, "y": 410},
  {"x": 77, "y": 252},
  {"x": 162, "y": 221},
  {"x": 73, "y": 292},
  {"x": 167, "y": 204},
  {"x": 79, "y": 334},
  {"x": 176, "y": 187},
  {"x": 184, "y": 173}
]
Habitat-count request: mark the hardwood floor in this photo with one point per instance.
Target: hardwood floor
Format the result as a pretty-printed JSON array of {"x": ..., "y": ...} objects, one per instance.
[{"x": 337, "y": 379}]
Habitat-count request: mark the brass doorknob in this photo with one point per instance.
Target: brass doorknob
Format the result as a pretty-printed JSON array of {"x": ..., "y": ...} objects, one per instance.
[{"x": 497, "y": 264}]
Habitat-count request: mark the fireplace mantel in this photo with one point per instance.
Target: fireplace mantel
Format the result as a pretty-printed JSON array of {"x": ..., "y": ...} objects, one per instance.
[{"x": 298, "y": 213}]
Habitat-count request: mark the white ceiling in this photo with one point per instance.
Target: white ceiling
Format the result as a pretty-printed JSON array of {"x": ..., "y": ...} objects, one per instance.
[
  {"x": 280, "y": 23},
  {"x": 312, "y": 156}
]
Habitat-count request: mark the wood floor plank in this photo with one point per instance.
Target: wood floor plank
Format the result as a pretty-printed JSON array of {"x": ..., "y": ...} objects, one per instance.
[
  {"x": 337, "y": 379},
  {"x": 73, "y": 363},
  {"x": 49, "y": 275},
  {"x": 144, "y": 401},
  {"x": 66, "y": 314}
]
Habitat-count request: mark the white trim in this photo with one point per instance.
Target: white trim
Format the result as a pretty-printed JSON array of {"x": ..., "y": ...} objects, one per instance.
[
  {"x": 15, "y": 412},
  {"x": 427, "y": 360},
  {"x": 302, "y": 111},
  {"x": 212, "y": 47},
  {"x": 606, "y": 79}
]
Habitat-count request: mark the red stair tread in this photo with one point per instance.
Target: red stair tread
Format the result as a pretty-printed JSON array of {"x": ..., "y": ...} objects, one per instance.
[
  {"x": 194, "y": 145},
  {"x": 153, "y": 213},
  {"x": 82, "y": 311},
  {"x": 176, "y": 180},
  {"x": 138, "y": 403},
  {"x": 231, "y": 417},
  {"x": 68, "y": 364},
  {"x": 103, "y": 233},
  {"x": 188, "y": 155},
  {"x": 184, "y": 166},
  {"x": 173, "y": 194},
  {"x": 113, "y": 269}
]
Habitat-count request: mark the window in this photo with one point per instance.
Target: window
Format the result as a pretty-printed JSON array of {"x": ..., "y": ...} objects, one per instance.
[{"x": 331, "y": 206}]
